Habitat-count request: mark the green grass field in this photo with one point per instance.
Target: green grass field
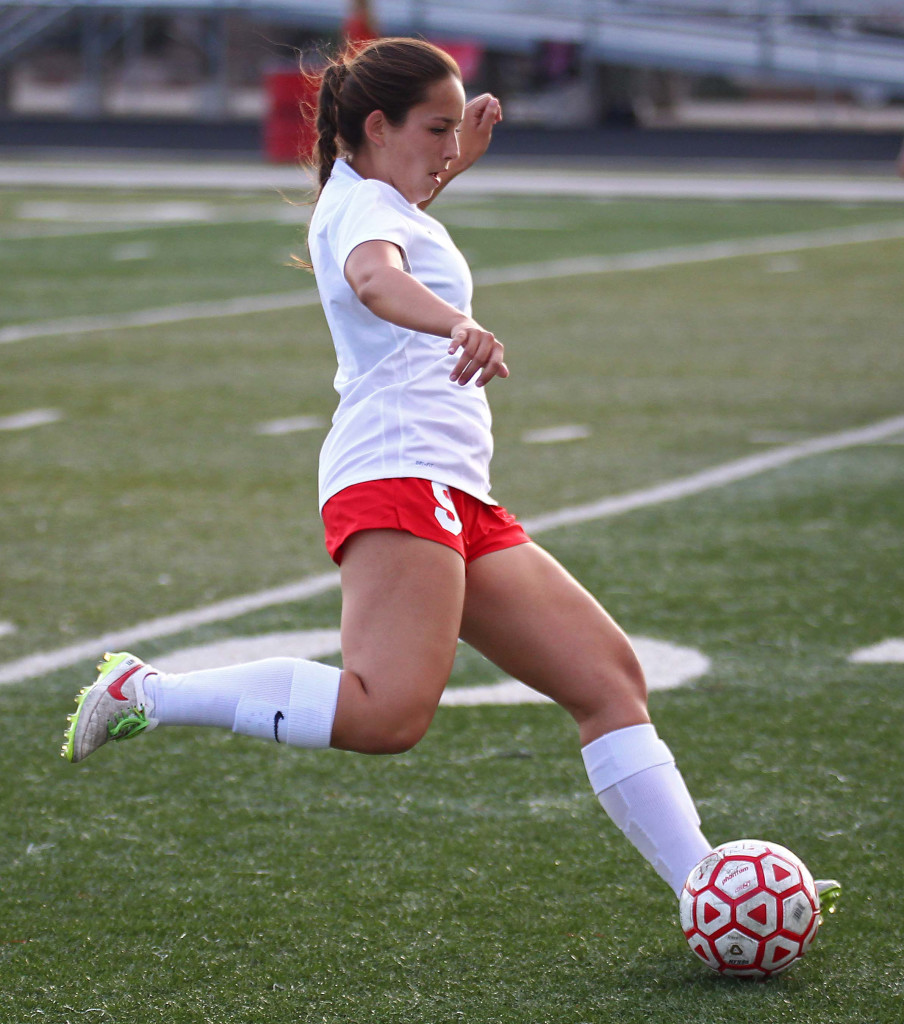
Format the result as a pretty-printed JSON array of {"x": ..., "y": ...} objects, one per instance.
[{"x": 196, "y": 876}]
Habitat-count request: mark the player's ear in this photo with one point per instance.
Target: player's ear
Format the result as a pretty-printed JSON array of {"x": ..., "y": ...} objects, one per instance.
[{"x": 375, "y": 127}]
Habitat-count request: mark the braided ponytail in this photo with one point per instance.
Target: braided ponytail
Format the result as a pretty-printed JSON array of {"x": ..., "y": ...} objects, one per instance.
[{"x": 326, "y": 151}]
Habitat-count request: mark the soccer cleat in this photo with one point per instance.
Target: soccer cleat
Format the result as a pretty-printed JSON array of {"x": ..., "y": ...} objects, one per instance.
[
  {"x": 113, "y": 707},
  {"x": 829, "y": 892}
]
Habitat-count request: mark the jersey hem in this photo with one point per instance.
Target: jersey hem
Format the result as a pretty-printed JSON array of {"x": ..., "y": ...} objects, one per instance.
[{"x": 459, "y": 485}]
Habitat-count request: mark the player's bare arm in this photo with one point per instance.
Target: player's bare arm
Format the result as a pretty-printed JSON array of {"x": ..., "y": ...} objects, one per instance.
[{"x": 377, "y": 276}]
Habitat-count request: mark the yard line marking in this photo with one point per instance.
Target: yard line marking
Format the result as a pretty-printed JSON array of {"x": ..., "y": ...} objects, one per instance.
[
  {"x": 38, "y": 231},
  {"x": 556, "y": 435},
  {"x": 168, "y": 625},
  {"x": 132, "y": 251},
  {"x": 40, "y": 220},
  {"x": 290, "y": 425},
  {"x": 717, "y": 476},
  {"x": 177, "y": 211},
  {"x": 237, "y": 650},
  {"x": 31, "y": 418},
  {"x": 696, "y": 483},
  {"x": 888, "y": 652},
  {"x": 154, "y": 317},
  {"x": 513, "y": 181},
  {"x": 679, "y": 255},
  {"x": 705, "y": 252},
  {"x": 498, "y": 177}
]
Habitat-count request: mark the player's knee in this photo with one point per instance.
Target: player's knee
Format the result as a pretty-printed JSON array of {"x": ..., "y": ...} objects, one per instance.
[
  {"x": 616, "y": 695},
  {"x": 402, "y": 736},
  {"x": 383, "y": 716},
  {"x": 630, "y": 677},
  {"x": 400, "y": 733},
  {"x": 626, "y": 686}
]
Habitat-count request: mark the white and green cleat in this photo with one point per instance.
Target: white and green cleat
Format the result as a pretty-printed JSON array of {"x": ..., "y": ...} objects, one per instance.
[
  {"x": 113, "y": 707},
  {"x": 829, "y": 893}
]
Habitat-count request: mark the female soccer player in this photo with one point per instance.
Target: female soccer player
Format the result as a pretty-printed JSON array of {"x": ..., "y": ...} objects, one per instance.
[{"x": 426, "y": 555}]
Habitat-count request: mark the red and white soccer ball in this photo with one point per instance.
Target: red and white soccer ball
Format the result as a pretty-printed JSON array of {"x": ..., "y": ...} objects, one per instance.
[{"x": 750, "y": 909}]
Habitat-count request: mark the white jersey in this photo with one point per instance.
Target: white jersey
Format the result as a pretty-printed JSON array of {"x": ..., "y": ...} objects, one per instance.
[{"x": 399, "y": 415}]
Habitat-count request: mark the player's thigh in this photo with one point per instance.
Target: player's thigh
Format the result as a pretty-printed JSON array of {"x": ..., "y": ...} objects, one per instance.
[
  {"x": 529, "y": 616},
  {"x": 402, "y": 599}
]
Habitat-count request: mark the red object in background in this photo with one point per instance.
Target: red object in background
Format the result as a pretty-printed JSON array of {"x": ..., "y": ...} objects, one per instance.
[
  {"x": 289, "y": 129},
  {"x": 468, "y": 56},
  {"x": 357, "y": 32}
]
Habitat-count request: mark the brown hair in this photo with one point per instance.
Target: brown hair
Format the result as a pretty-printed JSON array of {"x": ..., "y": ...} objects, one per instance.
[{"x": 392, "y": 75}]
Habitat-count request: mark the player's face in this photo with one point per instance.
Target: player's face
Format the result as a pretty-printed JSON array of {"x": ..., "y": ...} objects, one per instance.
[{"x": 427, "y": 141}]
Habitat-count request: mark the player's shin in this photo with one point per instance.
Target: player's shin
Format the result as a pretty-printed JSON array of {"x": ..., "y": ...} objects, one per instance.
[
  {"x": 284, "y": 700},
  {"x": 637, "y": 782},
  {"x": 305, "y": 719}
]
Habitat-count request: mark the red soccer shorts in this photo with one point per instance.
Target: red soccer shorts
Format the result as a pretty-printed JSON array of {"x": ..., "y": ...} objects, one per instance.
[{"x": 426, "y": 509}]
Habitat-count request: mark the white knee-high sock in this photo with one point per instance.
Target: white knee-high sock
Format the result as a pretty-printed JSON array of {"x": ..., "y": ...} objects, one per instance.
[
  {"x": 287, "y": 700},
  {"x": 634, "y": 775}
]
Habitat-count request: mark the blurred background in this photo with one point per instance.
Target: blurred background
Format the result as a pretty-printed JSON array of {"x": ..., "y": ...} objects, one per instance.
[{"x": 730, "y": 79}]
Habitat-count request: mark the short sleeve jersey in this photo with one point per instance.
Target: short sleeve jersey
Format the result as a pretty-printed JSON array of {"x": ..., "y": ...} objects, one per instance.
[{"x": 399, "y": 415}]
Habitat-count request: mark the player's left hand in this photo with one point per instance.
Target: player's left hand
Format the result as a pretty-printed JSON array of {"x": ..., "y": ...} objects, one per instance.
[
  {"x": 480, "y": 352},
  {"x": 482, "y": 114}
]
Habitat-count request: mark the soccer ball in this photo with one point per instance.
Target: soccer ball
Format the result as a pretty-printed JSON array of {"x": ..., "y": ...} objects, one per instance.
[{"x": 749, "y": 909}]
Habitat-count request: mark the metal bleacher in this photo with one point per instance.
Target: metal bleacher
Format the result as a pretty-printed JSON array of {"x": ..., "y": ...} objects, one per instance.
[
  {"x": 828, "y": 43},
  {"x": 21, "y": 25}
]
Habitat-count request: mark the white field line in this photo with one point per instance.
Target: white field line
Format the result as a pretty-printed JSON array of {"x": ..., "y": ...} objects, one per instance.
[
  {"x": 556, "y": 435},
  {"x": 706, "y": 252},
  {"x": 290, "y": 425},
  {"x": 29, "y": 419},
  {"x": 888, "y": 652},
  {"x": 168, "y": 625},
  {"x": 544, "y": 270},
  {"x": 565, "y": 182},
  {"x": 76, "y": 325},
  {"x": 19, "y": 232},
  {"x": 97, "y": 175},
  {"x": 672, "y": 490},
  {"x": 718, "y": 476},
  {"x": 38, "y": 221},
  {"x": 167, "y": 211},
  {"x": 496, "y": 178}
]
